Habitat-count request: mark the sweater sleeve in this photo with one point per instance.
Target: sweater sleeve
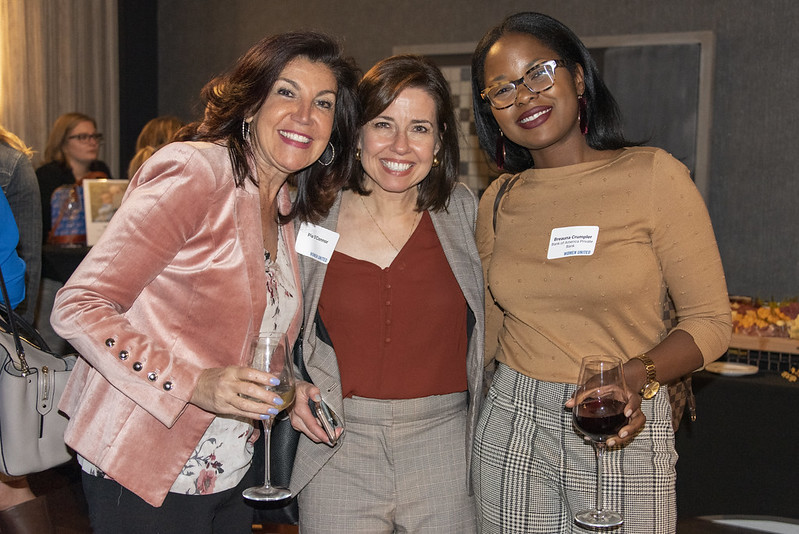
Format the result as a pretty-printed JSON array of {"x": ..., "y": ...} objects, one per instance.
[
  {"x": 685, "y": 244},
  {"x": 485, "y": 245}
]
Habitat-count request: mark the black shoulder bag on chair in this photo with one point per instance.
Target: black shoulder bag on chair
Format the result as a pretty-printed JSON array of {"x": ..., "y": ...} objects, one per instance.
[
  {"x": 282, "y": 450},
  {"x": 31, "y": 382}
]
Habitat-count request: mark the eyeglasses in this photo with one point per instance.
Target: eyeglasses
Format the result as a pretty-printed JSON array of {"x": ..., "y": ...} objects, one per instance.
[
  {"x": 539, "y": 78},
  {"x": 85, "y": 138}
]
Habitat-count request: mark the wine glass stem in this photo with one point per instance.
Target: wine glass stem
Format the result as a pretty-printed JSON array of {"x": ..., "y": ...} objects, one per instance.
[
  {"x": 267, "y": 424},
  {"x": 599, "y": 448}
]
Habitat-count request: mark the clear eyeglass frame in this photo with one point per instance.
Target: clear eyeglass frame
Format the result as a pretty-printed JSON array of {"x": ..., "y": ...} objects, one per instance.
[
  {"x": 539, "y": 78},
  {"x": 85, "y": 138}
]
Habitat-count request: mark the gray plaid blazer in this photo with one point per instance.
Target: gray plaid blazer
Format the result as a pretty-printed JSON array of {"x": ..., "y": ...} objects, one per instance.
[{"x": 455, "y": 229}]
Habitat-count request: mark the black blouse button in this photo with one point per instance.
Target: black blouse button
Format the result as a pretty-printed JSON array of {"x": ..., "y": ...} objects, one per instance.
[
  {"x": 110, "y": 342},
  {"x": 137, "y": 366},
  {"x": 123, "y": 355},
  {"x": 152, "y": 377},
  {"x": 167, "y": 386}
]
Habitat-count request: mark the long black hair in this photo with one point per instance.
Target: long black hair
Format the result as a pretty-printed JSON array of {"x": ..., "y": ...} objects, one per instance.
[
  {"x": 229, "y": 99},
  {"x": 603, "y": 114}
]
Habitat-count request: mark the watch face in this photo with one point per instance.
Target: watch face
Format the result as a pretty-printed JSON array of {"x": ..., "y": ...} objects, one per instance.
[{"x": 650, "y": 390}]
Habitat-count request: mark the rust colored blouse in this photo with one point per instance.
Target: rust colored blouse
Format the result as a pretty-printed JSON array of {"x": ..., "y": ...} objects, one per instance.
[{"x": 398, "y": 332}]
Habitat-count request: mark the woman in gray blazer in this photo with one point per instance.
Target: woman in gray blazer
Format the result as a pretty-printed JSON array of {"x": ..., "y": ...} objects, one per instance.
[{"x": 393, "y": 339}]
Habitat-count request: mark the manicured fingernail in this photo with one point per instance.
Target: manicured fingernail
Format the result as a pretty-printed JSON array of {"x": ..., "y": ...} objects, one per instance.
[
  {"x": 623, "y": 434},
  {"x": 628, "y": 413},
  {"x": 272, "y": 411},
  {"x": 274, "y": 381},
  {"x": 611, "y": 443},
  {"x": 265, "y": 416},
  {"x": 278, "y": 401}
]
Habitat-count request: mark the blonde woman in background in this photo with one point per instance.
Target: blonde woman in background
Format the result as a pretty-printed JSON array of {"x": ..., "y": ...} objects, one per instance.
[
  {"x": 71, "y": 154},
  {"x": 155, "y": 134}
]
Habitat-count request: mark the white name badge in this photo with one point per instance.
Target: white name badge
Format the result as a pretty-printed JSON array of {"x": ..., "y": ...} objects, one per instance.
[
  {"x": 316, "y": 242},
  {"x": 572, "y": 241}
]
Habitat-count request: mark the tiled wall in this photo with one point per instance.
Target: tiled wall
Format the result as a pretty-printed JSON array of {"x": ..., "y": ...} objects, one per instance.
[{"x": 475, "y": 170}]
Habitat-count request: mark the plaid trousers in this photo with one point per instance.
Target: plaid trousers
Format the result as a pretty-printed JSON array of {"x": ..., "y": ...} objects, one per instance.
[{"x": 532, "y": 472}]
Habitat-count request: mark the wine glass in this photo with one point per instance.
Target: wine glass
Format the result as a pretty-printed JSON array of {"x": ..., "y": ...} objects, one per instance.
[
  {"x": 598, "y": 413},
  {"x": 271, "y": 353}
]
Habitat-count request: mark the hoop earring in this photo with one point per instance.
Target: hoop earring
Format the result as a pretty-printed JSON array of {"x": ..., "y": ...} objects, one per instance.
[
  {"x": 245, "y": 131},
  {"x": 500, "y": 155},
  {"x": 332, "y": 150},
  {"x": 582, "y": 114}
]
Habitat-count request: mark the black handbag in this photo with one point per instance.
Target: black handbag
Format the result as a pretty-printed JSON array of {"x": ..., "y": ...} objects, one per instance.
[{"x": 282, "y": 450}]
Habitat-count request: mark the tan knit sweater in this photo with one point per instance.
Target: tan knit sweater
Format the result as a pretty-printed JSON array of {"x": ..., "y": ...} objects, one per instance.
[{"x": 654, "y": 232}]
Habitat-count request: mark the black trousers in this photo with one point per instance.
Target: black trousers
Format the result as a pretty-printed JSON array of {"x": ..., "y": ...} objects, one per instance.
[{"x": 116, "y": 510}]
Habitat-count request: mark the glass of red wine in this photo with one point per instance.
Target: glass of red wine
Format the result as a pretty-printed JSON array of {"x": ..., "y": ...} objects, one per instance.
[{"x": 598, "y": 413}]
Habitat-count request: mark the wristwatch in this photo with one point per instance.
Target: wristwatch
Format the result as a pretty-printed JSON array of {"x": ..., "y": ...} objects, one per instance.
[{"x": 651, "y": 386}]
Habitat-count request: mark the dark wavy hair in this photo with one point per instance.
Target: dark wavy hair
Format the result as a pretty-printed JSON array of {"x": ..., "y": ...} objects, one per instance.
[
  {"x": 379, "y": 87},
  {"x": 241, "y": 92},
  {"x": 604, "y": 116}
]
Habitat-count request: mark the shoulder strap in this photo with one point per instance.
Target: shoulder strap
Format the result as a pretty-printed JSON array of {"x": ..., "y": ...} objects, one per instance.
[{"x": 506, "y": 185}]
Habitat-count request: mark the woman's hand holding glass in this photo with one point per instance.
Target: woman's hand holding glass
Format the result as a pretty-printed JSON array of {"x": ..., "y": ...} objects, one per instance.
[
  {"x": 237, "y": 391},
  {"x": 635, "y": 419}
]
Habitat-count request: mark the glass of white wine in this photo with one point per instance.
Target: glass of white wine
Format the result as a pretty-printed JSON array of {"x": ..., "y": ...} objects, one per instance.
[{"x": 272, "y": 354}]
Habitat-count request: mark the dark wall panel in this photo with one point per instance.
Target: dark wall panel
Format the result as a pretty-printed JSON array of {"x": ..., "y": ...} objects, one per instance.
[{"x": 138, "y": 72}]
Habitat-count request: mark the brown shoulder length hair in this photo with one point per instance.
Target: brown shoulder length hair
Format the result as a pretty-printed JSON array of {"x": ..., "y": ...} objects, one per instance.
[
  {"x": 241, "y": 92},
  {"x": 377, "y": 90},
  {"x": 62, "y": 127}
]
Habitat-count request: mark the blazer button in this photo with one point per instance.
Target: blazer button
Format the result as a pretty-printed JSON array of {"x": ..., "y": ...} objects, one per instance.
[
  {"x": 168, "y": 386},
  {"x": 151, "y": 376},
  {"x": 110, "y": 342},
  {"x": 123, "y": 355},
  {"x": 137, "y": 366}
]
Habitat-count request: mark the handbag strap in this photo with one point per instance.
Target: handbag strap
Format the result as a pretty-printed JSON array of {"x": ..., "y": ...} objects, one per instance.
[
  {"x": 22, "y": 364},
  {"x": 506, "y": 185}
]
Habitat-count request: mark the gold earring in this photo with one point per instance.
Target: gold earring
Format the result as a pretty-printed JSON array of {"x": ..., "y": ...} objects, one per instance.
[
  {"x": 358, "y": 154},
  {"x": 436, "y": 163}
]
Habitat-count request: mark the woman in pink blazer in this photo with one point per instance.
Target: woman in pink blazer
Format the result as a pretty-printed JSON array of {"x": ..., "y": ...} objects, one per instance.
[{"x": 199, "y": 258}]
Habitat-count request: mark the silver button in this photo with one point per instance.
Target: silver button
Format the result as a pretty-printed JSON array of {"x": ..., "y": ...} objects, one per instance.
[
  {"x": 167, "y": 386},
  {"x": 151, "y": 376},
  {"x": 110, "y": 342},
  {"x": 137, "y": 366},
  {"x": 123, "y": 355}
]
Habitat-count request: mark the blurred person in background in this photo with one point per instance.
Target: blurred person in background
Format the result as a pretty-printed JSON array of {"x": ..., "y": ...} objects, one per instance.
[
  {"x": 155, "y": 134},
  {"x": 18, "y": 182},
  {"x": 21, "y": 511},
  {"x": 70, "y": 156}
]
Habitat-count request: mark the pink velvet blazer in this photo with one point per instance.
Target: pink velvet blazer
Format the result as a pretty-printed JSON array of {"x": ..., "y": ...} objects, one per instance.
[{"x": 175, "y": 285}]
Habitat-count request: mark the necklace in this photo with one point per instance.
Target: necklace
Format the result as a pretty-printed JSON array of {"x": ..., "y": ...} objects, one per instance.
[{"x": 413, "y": 225}]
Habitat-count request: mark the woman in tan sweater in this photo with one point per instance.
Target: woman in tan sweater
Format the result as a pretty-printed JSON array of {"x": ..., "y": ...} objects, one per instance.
[{"x": 590, "y": 238}]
